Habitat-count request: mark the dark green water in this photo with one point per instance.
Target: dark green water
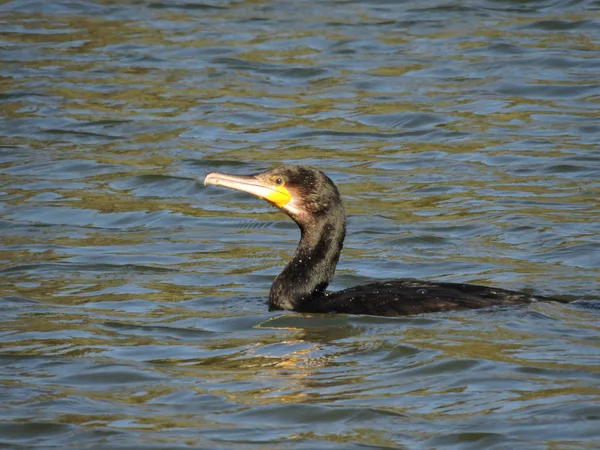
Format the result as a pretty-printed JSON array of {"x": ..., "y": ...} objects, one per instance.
[{"x": 465, "y": 138}]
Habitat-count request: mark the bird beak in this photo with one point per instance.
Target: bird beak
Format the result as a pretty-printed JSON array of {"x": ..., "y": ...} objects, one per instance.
[{"x": 253, "y": 184}]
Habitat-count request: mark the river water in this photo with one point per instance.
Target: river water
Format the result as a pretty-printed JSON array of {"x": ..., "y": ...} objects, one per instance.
[{"x": 464, "y": 137}]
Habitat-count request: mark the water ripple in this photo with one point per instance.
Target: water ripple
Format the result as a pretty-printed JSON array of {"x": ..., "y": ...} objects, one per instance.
[{"x": 463, "y": 137}]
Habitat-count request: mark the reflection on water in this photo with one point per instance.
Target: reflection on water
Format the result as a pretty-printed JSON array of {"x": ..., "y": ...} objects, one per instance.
[{"x": 464, "y": 139}]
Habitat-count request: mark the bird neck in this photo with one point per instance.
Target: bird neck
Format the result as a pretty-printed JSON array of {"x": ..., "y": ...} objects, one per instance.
[{"x": 308, "y": 274}]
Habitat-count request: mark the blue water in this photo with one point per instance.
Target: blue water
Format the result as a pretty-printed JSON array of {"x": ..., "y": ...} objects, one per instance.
[{"x": 465, "y": 140}]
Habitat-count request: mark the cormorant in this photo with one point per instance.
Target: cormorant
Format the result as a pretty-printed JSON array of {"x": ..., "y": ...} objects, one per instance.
[{"x": 312, "y": 200}]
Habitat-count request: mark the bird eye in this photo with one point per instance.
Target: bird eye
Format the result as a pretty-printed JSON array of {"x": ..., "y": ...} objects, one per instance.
[{"x": 278, "y": 181}]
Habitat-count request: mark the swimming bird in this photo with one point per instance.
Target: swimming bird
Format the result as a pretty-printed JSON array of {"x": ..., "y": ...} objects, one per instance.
[{"x": 312, "y": 200}]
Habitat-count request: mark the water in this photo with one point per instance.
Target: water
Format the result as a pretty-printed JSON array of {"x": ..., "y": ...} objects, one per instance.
[{"x": 464, "y": 137}]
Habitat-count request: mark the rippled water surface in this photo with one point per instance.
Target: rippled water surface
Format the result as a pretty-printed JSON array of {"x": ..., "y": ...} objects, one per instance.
[{"x": 464, "y": 137}]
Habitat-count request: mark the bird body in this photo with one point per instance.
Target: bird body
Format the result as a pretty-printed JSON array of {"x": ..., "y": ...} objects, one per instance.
[
  {"x": 406, "y": 297},
  {"x": 312, "y": 200}
]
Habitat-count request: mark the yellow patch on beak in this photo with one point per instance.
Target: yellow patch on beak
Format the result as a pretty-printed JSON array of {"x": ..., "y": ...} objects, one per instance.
[{"x": 279, "y": 196}]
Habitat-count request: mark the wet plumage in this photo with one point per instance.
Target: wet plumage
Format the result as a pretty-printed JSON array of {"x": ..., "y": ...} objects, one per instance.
[{"x": 312, "y": 200}]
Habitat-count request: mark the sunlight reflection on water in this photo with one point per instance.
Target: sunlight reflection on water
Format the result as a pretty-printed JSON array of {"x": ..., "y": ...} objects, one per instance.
[{"x": 463, "y": 137}]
